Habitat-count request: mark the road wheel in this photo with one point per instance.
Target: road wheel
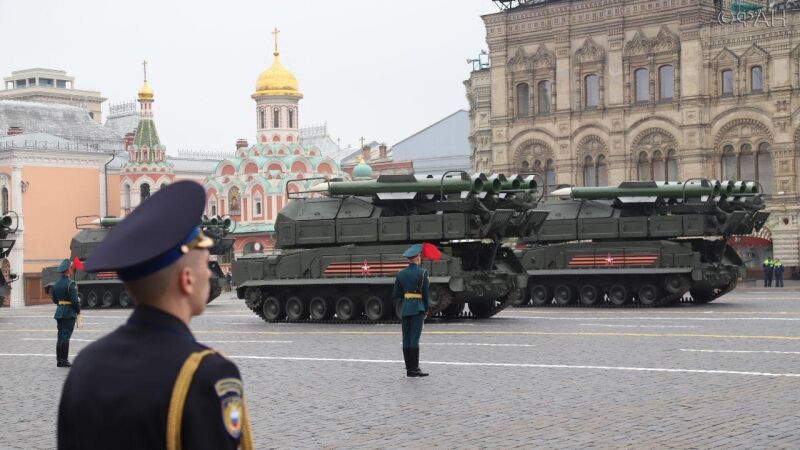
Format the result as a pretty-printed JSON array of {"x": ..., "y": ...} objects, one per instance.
[
  {"x": 347, "y": 308},
  {"x": 108, "y": 299},
  {"x": 273, "y": 309},
  {"x": 563, "y": 294},
  {"x": 541, "y": 295},
  {"x": 519, "y": 297},
  {"x": 320, "y": 309},
  {"x": 589, "y": 295},
  {"x": 125, "y": 299},
  {"x": 618, "y": 294},
  {"x": 92, "y": 299},
  {"x": 296, "y": 308},
  {"x": 648, "y": 294},
  {"x": 376, "y": 308}
]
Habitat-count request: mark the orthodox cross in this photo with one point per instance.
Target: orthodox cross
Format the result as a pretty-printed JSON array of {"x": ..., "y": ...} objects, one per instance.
[
  {"x": 362, "y": 141},
  {"x": 144, "y": 64},
  {"x": 275, "y": 34}
]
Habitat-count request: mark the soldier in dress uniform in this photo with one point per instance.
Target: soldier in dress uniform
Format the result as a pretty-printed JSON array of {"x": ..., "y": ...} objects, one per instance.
[
  {"x": 149, "y": 384},
  {"x": 411, "y": 286},
  {"x": 65, "y": 295}
]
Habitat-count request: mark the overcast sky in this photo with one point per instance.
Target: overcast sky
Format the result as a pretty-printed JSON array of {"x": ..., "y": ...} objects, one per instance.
[{"x": 381, "y": 69}]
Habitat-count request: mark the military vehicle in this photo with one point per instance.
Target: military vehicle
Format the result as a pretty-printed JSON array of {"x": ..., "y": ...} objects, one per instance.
[
  {"x": 104, "y": 289},
  {"x": 338, "y": 253},
  {"x": 6, "y": 277},
  {"x": 641, "y": 243},
  {"x": 504, "y": 243}
]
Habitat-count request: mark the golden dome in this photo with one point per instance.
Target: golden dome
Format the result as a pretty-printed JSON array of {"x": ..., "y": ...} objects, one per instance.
[
  {"x": 145, "y": 93},
  {"x": 277, "y": 81}
]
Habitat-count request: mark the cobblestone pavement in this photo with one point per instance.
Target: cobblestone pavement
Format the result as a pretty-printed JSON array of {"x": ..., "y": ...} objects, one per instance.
[{"x": 723, "y": 375}]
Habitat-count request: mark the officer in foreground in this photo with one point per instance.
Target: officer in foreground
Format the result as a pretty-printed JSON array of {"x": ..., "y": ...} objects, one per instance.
[
  {"x": 412, "y": 286},
  {"x": 65, "y": 295},
  {"x": 149, "y": 384}
]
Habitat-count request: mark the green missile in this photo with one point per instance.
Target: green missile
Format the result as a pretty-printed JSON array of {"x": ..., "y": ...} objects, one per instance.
[
  {"x": 409, "y": 183},
  {"x": 6, "y": 221},
  {"x": 109, "y": 222},
  {"x": 641, "y": 189}
]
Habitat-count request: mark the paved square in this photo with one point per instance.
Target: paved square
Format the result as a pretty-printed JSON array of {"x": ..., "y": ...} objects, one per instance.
[{"x": 723, "y": 375}]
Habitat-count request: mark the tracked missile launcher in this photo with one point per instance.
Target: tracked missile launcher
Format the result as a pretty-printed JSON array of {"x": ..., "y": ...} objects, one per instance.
[
  {"x": 504, "y": 243},
  {"x": 105, "y": 289},
  {"x": 339, "y": 250},
  {"x": 641, "y": 243}
]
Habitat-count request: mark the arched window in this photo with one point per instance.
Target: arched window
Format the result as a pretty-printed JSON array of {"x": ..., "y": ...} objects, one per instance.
[
  {"x": 592, "y": 96},
  {"x": 643, "y": 168},
  {"x": 163, "y": 185},
  {"x": 589, "y": 172},
  {"x": 764, "y": 164},
  {"x": 234, "y": 202},
  {"x": 524, "y": 166},
  {"x": 602, "y": 171},
  {"x": 5, "y": 200},
  {"x": 727, "y": 82},
  {"x": 659, "y": 170},
  {"x": 672, "y": 166},
  {"x": 665, "y": 82},
  {"x": 126, "y": 196},
  {"x": 544, "y": 97},
  {"x": 756, "y": 79},
  {"x": 262, "y": 118},
  {"x": 291, "y": 118},
  {"x": 729, "y": 163},
  {"x": 642, "y": 77},
  {"x": 747, "y": 163},
  {"x": 523, "y": 105},
  {"x": 549, "y": 176},
  {"x": 276, "y": 118},
  {"x": 257, "y": 204},
  {"x": 144, "y": 191},
  {"x": 212, "y": 207}
]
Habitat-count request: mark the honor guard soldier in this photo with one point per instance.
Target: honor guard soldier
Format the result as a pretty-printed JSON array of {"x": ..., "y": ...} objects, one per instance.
[
  {"x": 65, "y": 295},
  {"x": 411, "y": 286},
  {"x": 149, "y": 384}
]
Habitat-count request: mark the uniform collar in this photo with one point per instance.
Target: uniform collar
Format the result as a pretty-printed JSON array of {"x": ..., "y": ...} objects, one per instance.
[
  {"x": 153, "y": 318},
  {"x": 412, "y": 264}
]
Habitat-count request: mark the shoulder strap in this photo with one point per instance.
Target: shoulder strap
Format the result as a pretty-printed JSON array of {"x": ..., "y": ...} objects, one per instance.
[
  {"x": 178, "y": 401},
  {"x": 422, "y": 280}
]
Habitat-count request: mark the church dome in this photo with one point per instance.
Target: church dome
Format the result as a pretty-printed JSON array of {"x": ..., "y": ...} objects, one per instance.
[
  {"x": 277, "y": 81},
  {"x": 362, "y": 170},
  {"x": 145, "y": 93}
]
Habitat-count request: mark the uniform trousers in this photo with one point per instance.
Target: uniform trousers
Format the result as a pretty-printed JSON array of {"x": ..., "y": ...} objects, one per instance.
[
  {"x": 65, "y": 328},
  {"x": 412, "y": 329}
]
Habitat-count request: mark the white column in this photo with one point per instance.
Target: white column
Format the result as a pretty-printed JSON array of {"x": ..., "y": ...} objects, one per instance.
[
  {"x": 103, "y": 192},
  {"x": 17, "y": 255}
]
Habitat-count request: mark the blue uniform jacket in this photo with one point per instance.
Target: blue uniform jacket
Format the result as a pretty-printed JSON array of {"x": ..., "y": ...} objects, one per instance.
[
  {"x": 412, "y": 279},
  {"x": 66, "y": 289}
]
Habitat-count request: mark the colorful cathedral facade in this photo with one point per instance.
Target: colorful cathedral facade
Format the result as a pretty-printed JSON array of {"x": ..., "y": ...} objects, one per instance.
[{"x": 255, "y": 184}]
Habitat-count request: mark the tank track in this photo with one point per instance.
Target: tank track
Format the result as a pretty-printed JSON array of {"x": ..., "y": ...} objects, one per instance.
[
  {"x": 443, "y": 311},
  {"x": 681, "y": 295}
]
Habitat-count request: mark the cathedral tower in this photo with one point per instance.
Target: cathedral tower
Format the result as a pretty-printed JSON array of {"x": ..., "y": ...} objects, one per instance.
[{"x": 277, "y": 97}]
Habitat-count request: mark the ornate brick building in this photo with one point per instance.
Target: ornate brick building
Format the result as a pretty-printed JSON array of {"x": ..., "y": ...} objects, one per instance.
[{"x": 597, "y": 92}]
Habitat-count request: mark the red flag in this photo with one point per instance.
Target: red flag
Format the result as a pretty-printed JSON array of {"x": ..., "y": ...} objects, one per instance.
[
  {"x": 429, "y": 251},
  {"x": 77, "y": 264}
]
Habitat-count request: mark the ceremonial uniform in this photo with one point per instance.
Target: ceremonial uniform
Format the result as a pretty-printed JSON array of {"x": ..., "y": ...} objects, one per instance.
[
  {"x": 778, "y": 270},
  {"x": 65, "y": 294},
  {"x": 411, "y": 287},
  {"x": 149, "y": 384}
]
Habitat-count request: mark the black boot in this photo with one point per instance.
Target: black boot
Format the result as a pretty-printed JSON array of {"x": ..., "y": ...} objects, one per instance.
[
  {"x": 409, "y": 363},
  {"x": 415, "y": 363},
  {"x": 63, "y": 357},
  {"x": 58, "y": 355}
]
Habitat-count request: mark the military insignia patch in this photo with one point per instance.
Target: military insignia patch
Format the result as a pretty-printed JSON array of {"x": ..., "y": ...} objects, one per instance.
[
  {"x": 229, "y": 391},
  {"x": 232, "y": 413}
]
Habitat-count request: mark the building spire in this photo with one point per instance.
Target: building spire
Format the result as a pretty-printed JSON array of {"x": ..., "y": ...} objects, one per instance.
[
  {"x": 144, "y": 65},
  {"x": 275, "y": 35}
]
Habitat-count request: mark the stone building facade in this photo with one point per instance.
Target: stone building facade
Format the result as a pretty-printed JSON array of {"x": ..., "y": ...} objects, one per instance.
[{"x": 593, "y": 92}]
